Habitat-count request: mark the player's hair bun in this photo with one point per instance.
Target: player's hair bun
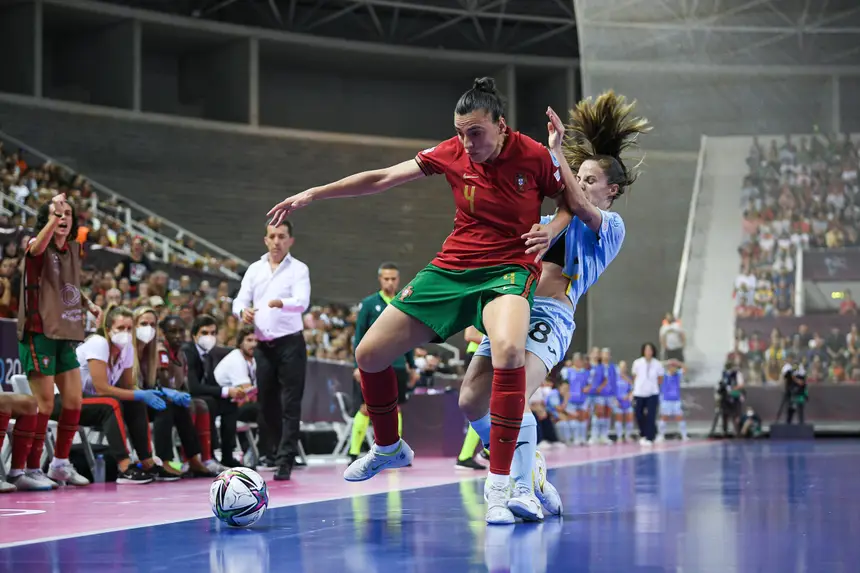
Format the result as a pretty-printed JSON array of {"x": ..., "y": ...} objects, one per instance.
[{"x": 485, "y": 84}]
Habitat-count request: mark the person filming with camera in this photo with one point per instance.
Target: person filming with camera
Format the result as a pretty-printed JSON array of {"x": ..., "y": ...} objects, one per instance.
[
  {"x": 730, "y": 397},
  {"x": 796, "y": 392}
]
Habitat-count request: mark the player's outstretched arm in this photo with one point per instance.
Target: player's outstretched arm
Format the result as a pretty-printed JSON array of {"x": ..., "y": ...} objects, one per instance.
[
  {"x": 577, "y": 200},
  {"x": 364, "y": 183}
]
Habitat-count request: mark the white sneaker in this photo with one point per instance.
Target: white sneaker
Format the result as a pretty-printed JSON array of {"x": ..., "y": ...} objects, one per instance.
[
  {"x": 39, "y": 476},
  {"x": 6, "y": 487},
  {"x": 30, "y": 482},
  {"x": 660, "y": 439},
  {"x": 524, "y": 504},
  {"x": 606, "y": 441},
  {"x": 545, "y": 491},
  {"x": 66, "y": 473},
  {"x": 685, "y": 438},
  {"x": 375, "y": 461},
  {"x": 214, "y": 466},
  {"x": 496, "y": 495},
  {"x": 645, "y": 442}
]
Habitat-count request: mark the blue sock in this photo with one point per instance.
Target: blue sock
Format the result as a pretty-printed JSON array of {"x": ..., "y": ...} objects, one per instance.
[
  {"x": 661, "y": 427},
  {"x": 524, "y": 456},
  {"x": 682, "y": 426},
  {"x": 482, "y": 427},
  {"x": 628, "y": 429},
  {"x": 618, "y": 434}
]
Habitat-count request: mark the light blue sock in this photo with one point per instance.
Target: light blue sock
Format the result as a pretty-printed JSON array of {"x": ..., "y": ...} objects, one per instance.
[
  {"x": 607, "y": 423},
  {"x": 565, "y": 431},
  {"x": 524, "y": 456},
  {"x": 661, "y": 427},
  {"x": 682, "y": 426},
  {"x": 578, "y": 430},
  {"x": 482, "y": 427},
  {"x": 595, "y": 427},
  {"x": 628, "y": 430},
  {"x": 618, "y": 427}
]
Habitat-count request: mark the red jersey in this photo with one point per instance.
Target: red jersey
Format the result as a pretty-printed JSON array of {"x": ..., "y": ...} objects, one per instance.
[{"x": 497, "y": 202}]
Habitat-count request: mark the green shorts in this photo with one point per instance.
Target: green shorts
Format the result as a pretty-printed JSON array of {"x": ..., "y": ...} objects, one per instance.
[
  {"x": 449, "y": 301},
  {"x": 47, "y": 356}
]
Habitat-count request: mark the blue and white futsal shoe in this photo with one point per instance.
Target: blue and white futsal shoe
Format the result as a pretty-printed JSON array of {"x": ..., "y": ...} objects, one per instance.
[{"x": 375, "y": 461}]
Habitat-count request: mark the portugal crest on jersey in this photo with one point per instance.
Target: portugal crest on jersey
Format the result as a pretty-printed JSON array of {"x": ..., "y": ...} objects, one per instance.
[
  {"x": 521, "y": 182},
  {"x": 405, "y": 293}
]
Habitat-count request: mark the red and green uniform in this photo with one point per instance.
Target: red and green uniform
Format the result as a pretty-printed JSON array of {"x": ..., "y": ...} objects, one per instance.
[{"x": 484, "y": 257}]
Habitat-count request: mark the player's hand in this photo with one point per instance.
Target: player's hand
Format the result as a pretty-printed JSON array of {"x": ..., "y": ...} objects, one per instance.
[
  {"x": 96, "y": 311},
  {"x": 248, "y": 315},
  {"x": 280, "y": 211},
  {"x": 538, "y": 241},
  {"x": 276, "y": 304},
  {"x": 58, "y": 205},
  {"x": 555, "y": 128},
  {"x": 237, "y": 394}
]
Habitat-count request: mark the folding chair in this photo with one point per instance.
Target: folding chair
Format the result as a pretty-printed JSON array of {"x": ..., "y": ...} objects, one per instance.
[{"x": 344, "y": 403}]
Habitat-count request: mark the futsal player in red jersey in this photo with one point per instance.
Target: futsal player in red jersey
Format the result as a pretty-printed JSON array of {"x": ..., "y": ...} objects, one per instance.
[{"x": 484, "y": 276}]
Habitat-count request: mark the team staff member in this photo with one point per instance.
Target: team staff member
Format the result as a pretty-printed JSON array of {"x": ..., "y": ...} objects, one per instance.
[
  {"x": 50, "y": 324},
  {"x": 275, "y": 292},
  {"x": 404, "y": 366}
]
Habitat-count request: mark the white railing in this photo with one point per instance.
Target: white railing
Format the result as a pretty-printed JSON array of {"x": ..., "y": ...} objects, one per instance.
[
  {"x": 799, "y": 306},
  {"x": 135, "y": 227},
  {"x": 688, "y": 236}
]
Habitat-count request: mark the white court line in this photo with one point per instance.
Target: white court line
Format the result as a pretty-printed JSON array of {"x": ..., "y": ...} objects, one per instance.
[{"x": 397, "y": 487}]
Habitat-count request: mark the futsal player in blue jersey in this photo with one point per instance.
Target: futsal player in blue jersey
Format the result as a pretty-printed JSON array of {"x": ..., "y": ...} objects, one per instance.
[
  {"x": 599, "y": 131},
  {"x": 624, "y": 405},
  {"x": 577, "y": 401},
  {"x": 556, "y": 400},
  {"x": 596, "y": 402},
  {"x": 670, "y": 400},
  {"x": 606, "y": 392}
]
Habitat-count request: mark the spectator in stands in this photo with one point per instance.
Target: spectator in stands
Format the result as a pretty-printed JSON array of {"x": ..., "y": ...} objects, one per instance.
[
  {"x": 220, "y": 400},
  {"x": 835, "y": 344},
  {"x": 847, "y": 306},
  {"x": 852, "y": 341},
  {"x": 8, "y": 297}
]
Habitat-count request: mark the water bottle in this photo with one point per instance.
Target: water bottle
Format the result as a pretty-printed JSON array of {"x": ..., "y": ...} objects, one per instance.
[{"x": 99, "y": 470}]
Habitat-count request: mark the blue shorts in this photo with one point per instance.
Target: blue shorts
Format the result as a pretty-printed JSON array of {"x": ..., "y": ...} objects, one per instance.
[
  {"x": 671, "y": 408},
  {"x": 574, "y": 408},
  {"x": 622, "y": 407},
  {"x": 550, "y": 331},
  {"x": 600, "y": 401}
]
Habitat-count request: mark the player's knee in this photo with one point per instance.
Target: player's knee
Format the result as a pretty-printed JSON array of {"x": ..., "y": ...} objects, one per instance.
[
  {"x": 509, "y": 354},
  {"x": 27, "y": 405},
  {"x": 371, "y": 358}
]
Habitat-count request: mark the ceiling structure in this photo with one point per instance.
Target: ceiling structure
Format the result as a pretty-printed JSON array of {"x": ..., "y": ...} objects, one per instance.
[{"x": 535, "y": 27}]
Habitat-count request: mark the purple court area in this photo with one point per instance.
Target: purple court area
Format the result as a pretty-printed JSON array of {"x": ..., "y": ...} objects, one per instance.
[{"x": 680, "y": 507}]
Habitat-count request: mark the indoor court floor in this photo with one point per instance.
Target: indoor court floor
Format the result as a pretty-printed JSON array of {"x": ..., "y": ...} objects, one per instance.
[{"x": 698, "y": 506}]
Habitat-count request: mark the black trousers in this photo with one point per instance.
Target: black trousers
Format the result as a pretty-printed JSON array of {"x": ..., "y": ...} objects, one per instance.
[
  {"x": 164, "y": 421},
  {"x": 646, "y": 416},
  {"x": 281, "y": 366},
  {"x": 112, "y": 416},
  {"x": 799, "y": 408},
  {"x": 229, "y": 413}
]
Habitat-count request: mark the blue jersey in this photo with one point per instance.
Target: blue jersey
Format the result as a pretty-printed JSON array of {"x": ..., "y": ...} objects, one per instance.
[
  {"x": 554, "y": 401},
  {"x": 578, "y": 380},
  {"x": 671, "y": 388},
  {"x": 595, "y": 378},
  {"x": 587, "y": 254},
  {"x": 611, "y": 387},
  {"x": 622, "y": 390}
]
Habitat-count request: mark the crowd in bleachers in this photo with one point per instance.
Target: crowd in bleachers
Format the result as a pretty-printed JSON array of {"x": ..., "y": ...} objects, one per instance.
[
  {"x": 794, "y": 197},
  {"x": 29, "y": 183}
]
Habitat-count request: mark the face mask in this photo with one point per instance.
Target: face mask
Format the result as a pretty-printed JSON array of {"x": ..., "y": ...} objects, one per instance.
[
  {"x": 206, "y": 342},
  {"x": 121, "y": 339},
  {"x": 145, "y": 333}
]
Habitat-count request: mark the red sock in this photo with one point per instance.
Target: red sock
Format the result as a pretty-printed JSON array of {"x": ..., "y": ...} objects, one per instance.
[
  {"x": 66, "y": 430},
  {"x": 380, "y": 397},
  {"x": 34, "y": 458},
  {"x": 4, "y": 424},
  {"x": 22, "y": 439},
  {"x": 506, "y": 414},
  {"x": 201, "y": 423}
]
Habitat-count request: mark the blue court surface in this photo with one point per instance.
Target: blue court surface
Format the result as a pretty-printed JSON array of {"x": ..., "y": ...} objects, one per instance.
[{"x": 721, "y": 507}]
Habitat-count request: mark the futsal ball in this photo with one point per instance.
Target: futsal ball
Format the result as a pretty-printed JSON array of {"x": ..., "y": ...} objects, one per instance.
[{"x": 239, "y": 497}]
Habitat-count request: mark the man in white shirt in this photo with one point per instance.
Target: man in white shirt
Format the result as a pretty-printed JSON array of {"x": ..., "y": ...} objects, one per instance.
[
  {"x": 275, "y": 292},
  {"x": 239, "y": 370}
]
